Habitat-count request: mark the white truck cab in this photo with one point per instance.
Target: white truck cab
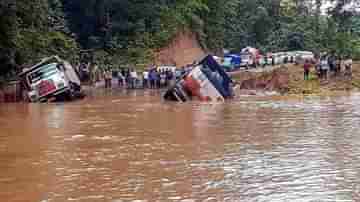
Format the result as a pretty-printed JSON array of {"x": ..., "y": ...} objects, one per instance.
[{"x": 52, "y": 77}]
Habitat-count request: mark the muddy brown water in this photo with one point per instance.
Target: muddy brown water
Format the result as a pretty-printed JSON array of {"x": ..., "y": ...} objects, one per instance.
[{"x": 134, "y": 147}]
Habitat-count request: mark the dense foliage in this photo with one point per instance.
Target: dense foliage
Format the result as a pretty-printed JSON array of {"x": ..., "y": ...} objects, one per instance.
[
  {"x": 129, "y": 31},
  {"x": 294, "y": 24},
  {"x": 30, "y": 30}
]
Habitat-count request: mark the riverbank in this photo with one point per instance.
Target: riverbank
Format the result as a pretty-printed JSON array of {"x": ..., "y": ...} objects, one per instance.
[
  {"x": 289, "y": 79},
  {"x": 285, "y": 79}
]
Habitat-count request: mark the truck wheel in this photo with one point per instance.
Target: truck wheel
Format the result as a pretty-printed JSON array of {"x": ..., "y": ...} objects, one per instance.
[{"x": 68, "y": 96}]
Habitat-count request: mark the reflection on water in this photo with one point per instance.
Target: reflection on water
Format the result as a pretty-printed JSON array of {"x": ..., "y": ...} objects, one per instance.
[{"x": 135, "y": 147}]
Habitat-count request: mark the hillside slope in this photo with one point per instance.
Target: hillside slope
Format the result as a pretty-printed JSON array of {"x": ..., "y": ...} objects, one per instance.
[{"x": 182, "y": 50}]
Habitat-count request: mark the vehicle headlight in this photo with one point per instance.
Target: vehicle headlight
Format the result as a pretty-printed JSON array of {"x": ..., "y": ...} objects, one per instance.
[
  {"x": 32, "y": 95},
  {"x": 61, "y": 84}
]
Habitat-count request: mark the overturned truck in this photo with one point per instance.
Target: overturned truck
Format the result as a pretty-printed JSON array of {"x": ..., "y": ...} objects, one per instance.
[
  {"x": 207, "y": 81},
  {"x": 53, "y": 79}
]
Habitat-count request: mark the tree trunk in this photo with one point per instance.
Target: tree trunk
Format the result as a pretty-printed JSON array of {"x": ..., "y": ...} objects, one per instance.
[{"x": 318, "y": 13}]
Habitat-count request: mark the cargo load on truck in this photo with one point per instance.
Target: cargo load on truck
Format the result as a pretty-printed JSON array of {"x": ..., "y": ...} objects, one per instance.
[
  {"x": 51, "y": 79},
  {"x": 207, "y": 81}
]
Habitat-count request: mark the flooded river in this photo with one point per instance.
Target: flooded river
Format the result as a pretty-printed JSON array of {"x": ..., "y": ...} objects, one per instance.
[{"x": 135, "y": 147}]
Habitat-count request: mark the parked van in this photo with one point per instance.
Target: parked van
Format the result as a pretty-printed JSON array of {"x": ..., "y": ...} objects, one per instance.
[
  {"x": 205, "y": 82},
  {"x": 52, "y": 78},
  {"x": 301, "y": 56}
]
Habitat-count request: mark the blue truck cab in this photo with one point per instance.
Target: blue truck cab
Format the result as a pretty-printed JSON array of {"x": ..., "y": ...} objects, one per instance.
[{"x": 207, "y": 81}]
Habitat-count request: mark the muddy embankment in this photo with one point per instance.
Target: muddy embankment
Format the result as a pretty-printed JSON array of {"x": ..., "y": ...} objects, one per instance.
[
  {"x": 276, "y": 80},
  {"x": 288, "y": 79},
  {"x": 182, "y": 50}
]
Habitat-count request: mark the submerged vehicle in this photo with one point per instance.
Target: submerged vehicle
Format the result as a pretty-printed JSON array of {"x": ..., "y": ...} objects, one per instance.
[
  {"x": 207, "y": 81},
  {"x": 51, "y": 79}
]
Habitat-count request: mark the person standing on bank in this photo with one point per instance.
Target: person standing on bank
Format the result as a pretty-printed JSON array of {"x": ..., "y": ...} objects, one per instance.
[
  {"x": 162, "y": 79},
  {"x": 121, "y": 79},
  {"x": 107, "y": 77},
  {"x": 156, "y": 79},
  {"x": 134, "y": 78},
  {"x": 127, "y": 77},
  {"x": 146, "y": 79},
  {"x": 324, "y": 68},
  {"x": 152, "y": 79},
  {"x": 348, "y": 66},
  {"x": 338, "y": 66},
  {"x": 169, "y": 77},
  {"x": 307, "y": 66}
]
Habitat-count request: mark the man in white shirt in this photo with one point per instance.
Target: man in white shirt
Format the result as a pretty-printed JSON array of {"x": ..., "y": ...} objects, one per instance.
[
  {"x": 145, "y": 79},
  {"x": 108, "y": 78},
  {"x": 121, "y": 79},
  {"x": 134, "y": 77},
  {"x": 324, "y": 66}
]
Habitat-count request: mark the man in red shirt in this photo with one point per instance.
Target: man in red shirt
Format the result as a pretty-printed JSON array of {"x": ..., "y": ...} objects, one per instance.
[{"x": 307, "y": 67}]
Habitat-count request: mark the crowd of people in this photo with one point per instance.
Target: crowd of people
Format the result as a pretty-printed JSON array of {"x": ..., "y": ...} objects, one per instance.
[
  {"x": 151, "y": 78},
  {"x": 131, "y": 79},
  {"x": 328, "y": 66}
]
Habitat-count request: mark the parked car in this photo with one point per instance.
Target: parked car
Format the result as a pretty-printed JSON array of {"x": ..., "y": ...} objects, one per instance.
[
  {"x": 207, "y": 81},
  {"x": 52, "y": 78}
]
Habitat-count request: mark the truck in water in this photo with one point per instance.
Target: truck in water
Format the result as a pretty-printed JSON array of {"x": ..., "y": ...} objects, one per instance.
[
  {"x": 51, "y": 79},
  {"x": 207, "y": 81}
]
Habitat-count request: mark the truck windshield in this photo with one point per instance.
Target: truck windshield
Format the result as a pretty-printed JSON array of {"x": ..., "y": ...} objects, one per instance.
[
  {"x": 43, "y": 72},
  {"x": 227, "y": 61}
]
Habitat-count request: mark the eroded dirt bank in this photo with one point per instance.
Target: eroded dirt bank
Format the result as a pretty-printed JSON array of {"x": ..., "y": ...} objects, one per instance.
[
  {"x": 288, "y": 79},
  {"x": 184, "y": 49}
]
